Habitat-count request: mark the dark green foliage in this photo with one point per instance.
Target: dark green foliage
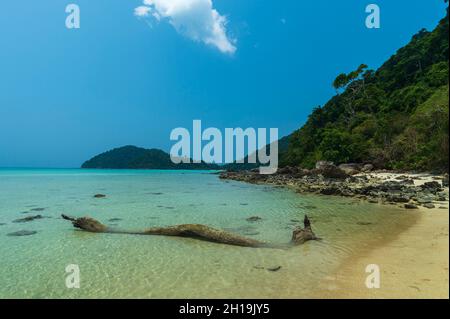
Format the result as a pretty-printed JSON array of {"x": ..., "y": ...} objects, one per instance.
[
  {"x": 394, "y": 117},
  {"x": 133, "y": 157}
]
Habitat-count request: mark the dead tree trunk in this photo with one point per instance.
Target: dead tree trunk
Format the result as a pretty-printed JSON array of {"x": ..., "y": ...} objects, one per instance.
[{"x": 196, "y": 231}]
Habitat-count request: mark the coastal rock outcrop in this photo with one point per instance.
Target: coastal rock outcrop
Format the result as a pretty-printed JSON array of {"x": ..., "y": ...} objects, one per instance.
[{"x": 328, "y": 179}]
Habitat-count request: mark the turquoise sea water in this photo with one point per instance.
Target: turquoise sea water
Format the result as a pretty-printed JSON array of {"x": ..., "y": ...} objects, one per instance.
[{"x": 130, "y": 266}]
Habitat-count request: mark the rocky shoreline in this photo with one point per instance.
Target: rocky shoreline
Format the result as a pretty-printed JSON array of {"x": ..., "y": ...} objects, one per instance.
[{"x": 407, "y": 190}]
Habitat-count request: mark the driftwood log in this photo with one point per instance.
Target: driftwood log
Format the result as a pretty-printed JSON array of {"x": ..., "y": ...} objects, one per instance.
[{"x": 196, "y": 231}]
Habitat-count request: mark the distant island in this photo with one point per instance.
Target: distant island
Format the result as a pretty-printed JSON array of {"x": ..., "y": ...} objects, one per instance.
[{"x": 132, "y": 157}]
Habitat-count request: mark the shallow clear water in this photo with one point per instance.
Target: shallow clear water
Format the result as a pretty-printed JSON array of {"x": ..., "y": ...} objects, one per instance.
[{"x": 131, "y": 266}]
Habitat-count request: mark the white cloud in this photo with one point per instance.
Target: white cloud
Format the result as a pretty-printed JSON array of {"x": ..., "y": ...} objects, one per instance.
[
  {"x": 195, "y": 19},
  {"x": 141, "y": 11}
]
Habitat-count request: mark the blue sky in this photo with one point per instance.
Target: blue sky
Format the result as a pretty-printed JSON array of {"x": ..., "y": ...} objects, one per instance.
[{"x": 66, "y": 95}]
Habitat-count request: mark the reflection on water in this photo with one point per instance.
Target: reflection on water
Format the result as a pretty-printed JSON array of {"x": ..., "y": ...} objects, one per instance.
[{"x": 151, "y": 266}]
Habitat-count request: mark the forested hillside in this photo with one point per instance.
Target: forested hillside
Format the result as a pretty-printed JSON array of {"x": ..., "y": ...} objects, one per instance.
[{"x": 394, "y": 117}]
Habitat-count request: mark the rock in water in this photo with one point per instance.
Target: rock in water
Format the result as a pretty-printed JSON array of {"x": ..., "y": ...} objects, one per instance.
[
  {"x": 99, "y": 196},
  {"x": 27, "y": 219},
  {"x": 253, "y": 219},
  {"x": 23, "y": 233}
]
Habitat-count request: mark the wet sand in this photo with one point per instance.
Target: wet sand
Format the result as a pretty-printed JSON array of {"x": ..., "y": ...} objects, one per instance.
[{"x": 414, "y": 264}]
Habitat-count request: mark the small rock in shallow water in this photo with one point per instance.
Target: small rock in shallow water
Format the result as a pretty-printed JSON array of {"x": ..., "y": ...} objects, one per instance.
[
  {"x": 23, "y": 233},
  {"x": 253, "y": 219},
  {"x": 99, "y": 196},
  {"x": 39, "y": 209},
  {"x": 27, "y": 219},
  {"x": 275, "y": 268},
  {"x": 114, "y": 219},
  {"x": 410, "y": 206},
  {"x": 243, "y": 204},
  {"x": 155, "y": 193},
  {"x": 364, "y": 223}
]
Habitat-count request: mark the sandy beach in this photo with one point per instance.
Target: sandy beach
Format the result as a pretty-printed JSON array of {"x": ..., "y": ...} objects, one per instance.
[{"x": 413, "y": 263}]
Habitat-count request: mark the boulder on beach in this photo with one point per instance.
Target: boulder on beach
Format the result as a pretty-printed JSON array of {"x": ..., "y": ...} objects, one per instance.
[
  {"x": 329, "y": 170},
  {"x": 323, "y": 164},
  {"x": 350, "y": 169},
  {"x": 445, "y": 180},
  {"x": 367, "y": 168},
  {"x": 432, "y": 186}
]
